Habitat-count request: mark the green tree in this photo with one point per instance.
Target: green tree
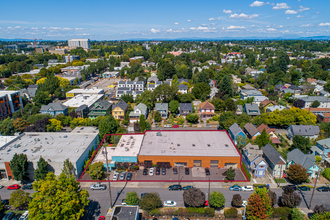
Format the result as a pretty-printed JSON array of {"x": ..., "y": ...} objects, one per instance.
[
  {"x": 132, "y": 198},
  {"x": 192, "y": 118},
  {"x": 157, "y": 116},
  {"x": 297, "y": 173},
  {"x": 41, "y": 172},
  {"x": 217, "y": 199},
  {"x": 107, "y": 126},
  {"x": 259, "y": 205},
  {"x": 322, "y": 216},
  {"x": 200, "y": 89},
  {"x": 302, "y": 143},
  {"x": 58, "y": 198},
  {"x": 7, "y": 127},
  {"x": 231, "y": 173},
  {"x": 19, "y": 198},
  {"x": 67, "y": 167},
  {"x": 19, "y": 166},
  {"x": 315, "y": 104},
  {"x": 127, "y": 98},
  {"x": 290, "y": 198},
  {"x": 185, "y": 98},
  {"x": 194, "y": 197},
  {"x": 296, "y": 214},
  {"x": 237, "y": 200},
  {"x": 95, "y": 170},
  {"x": 225, "y": 87},
  {"x": 142, "y": 124},
  {"x": 263, "y": 139},
  {"x": 165, "y": 92},
  {"x": 173, "y": 106},
  {"x": 150, "y": 201},
  {"x": 42, "y": 98}
]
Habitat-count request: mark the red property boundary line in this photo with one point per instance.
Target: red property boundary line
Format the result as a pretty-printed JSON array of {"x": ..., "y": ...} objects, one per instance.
[{"x": 170, "y": 181}]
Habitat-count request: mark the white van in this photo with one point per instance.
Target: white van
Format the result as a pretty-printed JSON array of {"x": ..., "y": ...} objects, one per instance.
[{"x": 24, "y": 216}]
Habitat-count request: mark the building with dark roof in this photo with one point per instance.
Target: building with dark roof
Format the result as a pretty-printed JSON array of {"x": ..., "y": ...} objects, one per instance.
[
  {"x": 206, "y": 110},
  {"x": 183, "y": 89},
  {"x": 255, "y": 163},
  {"x": 251, "y": 131},
  {"x": 185, "y": 108},
  {"x": 125, "y": 212},
  {"x": 119, "y": 109},
  {"x": 235, "y": 132},
  {"x": 276, "y": 163},
  {"x": 309, "y": 131},
  {"x": 54, "y": 109},
  {"x": 305, "y": 160},
  {"x": 162, "y": 108},
  {"x": 100, "y": 108}
]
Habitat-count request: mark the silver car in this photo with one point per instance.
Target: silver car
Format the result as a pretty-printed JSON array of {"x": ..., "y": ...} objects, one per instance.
[
  {"x": 98, "y": 186},
  {"x": 122, "y": 176}
]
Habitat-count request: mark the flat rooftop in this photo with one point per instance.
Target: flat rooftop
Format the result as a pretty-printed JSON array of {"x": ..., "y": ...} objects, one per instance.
[
  {"x": 87, "y": 91},
  {"x": 80, "y": 99},
  {"x": 125, "y": 212},
  {"x": 85, "y": 129},
  {"x": 188, "y": 143},
  {"x": 53, "y": 146},
  {"x": 128, "y": 146}
]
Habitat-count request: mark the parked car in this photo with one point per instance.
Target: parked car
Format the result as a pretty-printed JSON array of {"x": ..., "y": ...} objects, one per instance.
[
  {"x": 323, "y": 189},
  {"x": 101, "y": 218},
  {"x": 247, "y": 188},
  {"x": 175, "y": 126},
  {"x": 293, "y": 186},
  {"x": 123, "y": 202},
  {"x": 145, "y": 171},
  {"x": 304, "y": 188},
  {"x": 98, "y": 186},
  {"x": 5, "y": 204},
  {"x": 129, "y": 176},
  {"x": 27, "y": 186},
  {"x": 151, "y": 171},
  {"x": 207, "y": 171},
  {"x": 16, "y": 217},
  {"x": 158, "y": 171},
  {"x": 167, "y": 126},
  {"x": 207, "y": 126},
  {"x": 9, "y": 216},
  {"x": 175, "y": 187},
  {"x": 122, "y": 176},
  {"x": 169, "y": 203},
  {"x": 187, "y": 187},
  {"x": 1, "y": 186},
  {"x": 13, "y": 187},
  {"x": 235, "y": 188},
  {"x": 186, "y": 171},
  {"x": 163, "y": 171},
  {"x": 206, "y": 203},
  {"x": 115, "y": 176},
  {"x": 175, "y": 170},
  {"x": 24, "y": 216}
]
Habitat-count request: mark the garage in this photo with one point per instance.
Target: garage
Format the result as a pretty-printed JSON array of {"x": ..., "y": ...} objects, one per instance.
[
  {"x": 197, "y": 163},
  {"x": 214, "y": 163},
  {"x": 232, "y": 165}
]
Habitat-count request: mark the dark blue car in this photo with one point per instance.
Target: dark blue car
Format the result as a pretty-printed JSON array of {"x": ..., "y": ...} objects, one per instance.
[{"x": 235, "y": 188}]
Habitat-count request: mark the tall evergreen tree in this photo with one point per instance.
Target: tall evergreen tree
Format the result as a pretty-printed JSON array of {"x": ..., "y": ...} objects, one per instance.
[
  {"x": 142, "y": 123},
  {"x": 225, "y": 86},
  {"x": 41, "y": 172},
  {"x": 19, "y": 166},
  {"x": 107, "y": 126},
  {"x": 263, "y": 139}
]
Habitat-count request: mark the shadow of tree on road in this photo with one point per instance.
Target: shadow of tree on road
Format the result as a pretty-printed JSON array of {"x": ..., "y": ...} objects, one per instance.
[{"x": 93, "y": 210}]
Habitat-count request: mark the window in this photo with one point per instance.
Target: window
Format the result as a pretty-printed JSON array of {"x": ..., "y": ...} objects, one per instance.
[
  {"x": 261, "y": 166},
  {"x": 116, "y": 113}
]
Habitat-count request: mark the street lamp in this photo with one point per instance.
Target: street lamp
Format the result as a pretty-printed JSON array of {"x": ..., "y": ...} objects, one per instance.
[{"x": 244, "y": 204}]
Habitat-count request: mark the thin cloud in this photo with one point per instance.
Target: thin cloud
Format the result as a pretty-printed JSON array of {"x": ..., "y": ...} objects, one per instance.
[
  {"x": 189, "y": 20},
  {"x": 244, "y": 16},
  {"x": 279, "y": 6},
  {"x": 302, "y": 8},
  {"x": 176, "y": 23},
  {"x": 290, "y": 12},
  {"x": 324, "y": 24},
  {"x": 258, "y": 4},
  {"x": 271, "y": 29},
  {"x": 307, "y": 25},
  {"x": 232, "y": 27},
  {"x": 211, "y": 19},
  {"x": 227, "y": 11},
  {"x": 153, "y": 30}
]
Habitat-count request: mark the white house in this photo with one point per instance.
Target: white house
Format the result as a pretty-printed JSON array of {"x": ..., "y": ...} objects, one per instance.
[{"x": 140, "y": 109}]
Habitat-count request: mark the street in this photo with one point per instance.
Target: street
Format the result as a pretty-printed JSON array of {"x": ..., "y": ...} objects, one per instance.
[{"x": 100, "y": 200}]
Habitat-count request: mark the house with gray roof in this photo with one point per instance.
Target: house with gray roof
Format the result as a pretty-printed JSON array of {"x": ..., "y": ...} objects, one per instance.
[
  {"x": 323, "y": 146},
  {"x": 276, "y": 163},
  {"x": 54, "y": 109},
  {"x": 305, "y": 160},
  {"x": 162, "y": 108},
  {"x": 251, "y": 131},
  {"x": 275, "y": 107},
  {"x": 140, "y": 109},
  {"x": 309, "y": 131},
  {"x": 185, "y": 109},
  {"x": 183, "y": 89},
  {"x": 251, "y": 109},
  {"x": 258, "y": 99},
  {"x": 239, "y": 110},
  {"x": 153, "y": 79},
  {"x": 255, "y": 163},
  {"x": 30, "y": 92},
  {"x": 100, "y": 108},
  {"x": 324, "y": 101},
  {"x": 182, "y": 80},
  {"x": 244, "y": 94},
  {"x": 235, "y": 132}
]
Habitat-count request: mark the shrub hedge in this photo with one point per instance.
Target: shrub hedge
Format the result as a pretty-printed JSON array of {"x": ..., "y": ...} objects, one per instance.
[
  {"x": 231, "y": 213},
  {"x": 246, "y": 171}
]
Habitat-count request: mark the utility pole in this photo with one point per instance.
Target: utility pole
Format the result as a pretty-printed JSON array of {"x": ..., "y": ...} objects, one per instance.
[
  {"x": 317, "y": 177},
  {"x": 106, "y": 156},
  {"x": 208, "y": 195}
]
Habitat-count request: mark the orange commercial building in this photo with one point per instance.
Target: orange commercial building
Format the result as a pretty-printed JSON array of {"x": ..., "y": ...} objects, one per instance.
[{"x": 193, "y": 148}]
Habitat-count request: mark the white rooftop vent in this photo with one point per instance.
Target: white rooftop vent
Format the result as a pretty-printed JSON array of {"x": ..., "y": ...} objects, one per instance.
[
  {"x": 76, "y": 151},
  {"x": 60, "y": 151}
]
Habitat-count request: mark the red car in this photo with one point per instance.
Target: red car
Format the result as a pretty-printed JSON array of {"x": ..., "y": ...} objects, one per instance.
[
  {"x": 175, "y": 126},
  {"x": 13, "y": 187},
  {"x": 101, "y": 218},
  {"x": 206, "y": 203}
]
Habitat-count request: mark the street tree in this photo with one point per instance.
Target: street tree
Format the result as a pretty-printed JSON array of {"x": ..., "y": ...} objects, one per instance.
[
  {"x": 7, "y": 127},
  {"x": 322, "y": 216},
  {"x": 302, "y": 143},
  {"x": 150, "y": 201},
  {"x": 259, "y": 205},
  {"x": 173, "y": 106},
  {"x": 157, "y": 116},
  {"x": 290, "y": 198},
  {"x": 273, "y": 197},
  {"x": 192, "y": 118},
  {"x": 194, "y": 197},
  {"x": 321, "y": 208},
  {"x": 19, "y": 198},
  {"x": 132, "y": 198},
  {"x": 95, "y": 170},
  {"x": 19, "y": 166},
  {"x": 237, "y": 200},
  {"x": 58, "y": 197},
  {"x": 263, "y": 139},
  {"x": 41, "y": 172},
  {"x": 67, "y": 167},
  {"x": 297, "y": 173},
  {"x": 217, "y": 199},
  {"x": 231, "y": 173}
]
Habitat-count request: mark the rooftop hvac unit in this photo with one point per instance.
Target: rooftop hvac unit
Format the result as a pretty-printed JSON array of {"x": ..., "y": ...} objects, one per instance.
[
  {"x": 49, "y": 160},
  {"x": 131, "y": 137},
  {"x": 126, "y": 149},
  {"x": 60, "y": 151},
  {"x": 68, "y": 143},
  {"x": 76, "y": 151},
  {"x": 65, "y": 136}
]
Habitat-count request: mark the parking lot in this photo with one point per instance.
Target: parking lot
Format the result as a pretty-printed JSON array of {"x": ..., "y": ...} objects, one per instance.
[
  {"x": 104, "y": 83},
  {"x": 195, "y": 174}
]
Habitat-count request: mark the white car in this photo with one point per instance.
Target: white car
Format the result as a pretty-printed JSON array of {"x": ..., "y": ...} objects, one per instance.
[
  {"x": 167, "y": 126},
  {"x": 115, "y": 176},
  {"x": 151, "y": 171},
  {"x": 98, "y": 186},
  {"x": 247, "y": 188},
  {"x": 169, "y": 203}
]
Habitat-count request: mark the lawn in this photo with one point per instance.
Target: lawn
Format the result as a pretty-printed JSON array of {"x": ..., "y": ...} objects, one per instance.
[{"x": 279, "y": 180}]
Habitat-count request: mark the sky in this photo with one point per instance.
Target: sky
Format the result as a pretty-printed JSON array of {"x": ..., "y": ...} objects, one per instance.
[{"x": 169, "y": 19}]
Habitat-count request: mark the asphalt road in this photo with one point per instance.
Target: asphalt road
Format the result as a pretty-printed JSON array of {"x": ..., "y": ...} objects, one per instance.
[{"x": 100, "y": 200}]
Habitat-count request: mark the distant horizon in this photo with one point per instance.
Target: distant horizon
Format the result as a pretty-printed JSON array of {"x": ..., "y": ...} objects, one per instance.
[{"x": 113, "y": 20}]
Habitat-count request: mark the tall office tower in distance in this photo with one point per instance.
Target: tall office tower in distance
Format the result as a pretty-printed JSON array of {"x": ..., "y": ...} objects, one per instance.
[{"x": 84, "y": 43}]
